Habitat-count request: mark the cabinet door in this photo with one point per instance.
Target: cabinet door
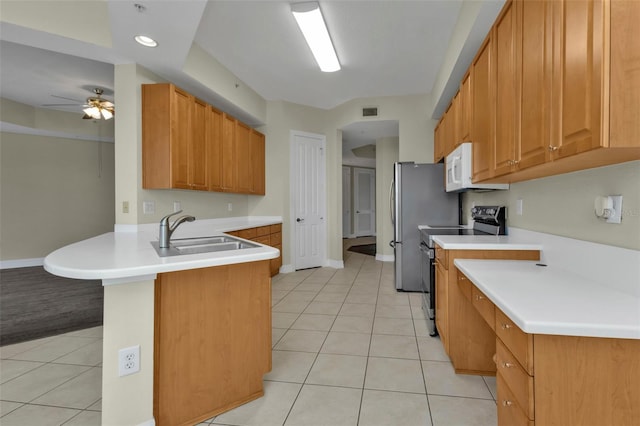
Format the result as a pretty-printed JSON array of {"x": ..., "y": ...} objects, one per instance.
[
  {"x": 243, "y": 158},
  {"x": 181, "y": 136},
  {"x": 441, "y": 305},
  {"x": 465, "y": 108},
  {"x": 577, "y": 67},
  {"x": 229, "y": 182},
  {"x": 449, "y": 129},
  {"x": 506, "y": 91},
  {"x": 456, "y": 122},
  {"x": 483, "y": 112},
  {"x": 198, "y": 146},
  {"x": 257, "y": 162},
  {"x": 438, "y": 148},
  {"x": 534, "y": 63},
  {"x": 214, "y": 150}
]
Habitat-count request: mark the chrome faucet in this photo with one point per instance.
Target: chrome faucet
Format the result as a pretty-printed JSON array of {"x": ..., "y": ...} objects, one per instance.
[{"x": 166, "y": 230}]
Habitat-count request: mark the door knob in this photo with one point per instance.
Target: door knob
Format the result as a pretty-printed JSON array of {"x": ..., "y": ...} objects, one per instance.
[{"x": 299, "y": 220}]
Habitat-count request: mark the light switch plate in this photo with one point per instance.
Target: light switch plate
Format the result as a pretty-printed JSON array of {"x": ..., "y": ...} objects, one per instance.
[
  {"x": 616, "y": 217},
  {"x": 148, "y": 207}
]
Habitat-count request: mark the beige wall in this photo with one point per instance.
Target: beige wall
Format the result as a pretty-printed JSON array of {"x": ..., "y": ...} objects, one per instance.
[
  {"x": 386, "y": 155},
  {"x": 53, "y": 192},
  {"x": 563, "y": 205}
]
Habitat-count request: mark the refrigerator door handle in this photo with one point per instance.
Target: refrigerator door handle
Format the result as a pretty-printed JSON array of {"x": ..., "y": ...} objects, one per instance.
[
  {"x": 393, "y": 243},
  {"x": 392, "y": 202}
]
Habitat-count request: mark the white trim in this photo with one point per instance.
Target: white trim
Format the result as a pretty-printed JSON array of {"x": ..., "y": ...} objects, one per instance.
[
  {"x": 127, "y": 280},
  {"x": 385, "y": 257},
  {"x": 21, "y": 263},
  {"x": 336, "y": 264},
  {"x": 286, "y": 269},
  {"x": 150, "y": 422}
]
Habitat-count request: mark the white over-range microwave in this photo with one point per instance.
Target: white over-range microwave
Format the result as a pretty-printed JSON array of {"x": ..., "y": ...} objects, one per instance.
[{"x": 459, "y": 171}]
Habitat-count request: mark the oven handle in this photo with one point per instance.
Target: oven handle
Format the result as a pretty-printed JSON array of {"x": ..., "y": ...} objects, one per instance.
[{"x": 425, "y": 249}]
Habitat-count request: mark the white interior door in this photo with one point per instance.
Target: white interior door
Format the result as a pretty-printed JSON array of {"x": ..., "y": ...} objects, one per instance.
[
  {"x": 364, "y": 201},
  {"x": 346, "y": 202},
  {"x": 308, "y": 199}
]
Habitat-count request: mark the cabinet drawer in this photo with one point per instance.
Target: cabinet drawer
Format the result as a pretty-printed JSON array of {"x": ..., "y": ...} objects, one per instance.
[
  {"x": 442, "y": 256},
  {"x": 276, "y": 239},
  {"x": 276, "y": 228},
  {"x": 485, "y": 307},
  {"x": 247, "y": 233},
  {"x": 465, "y": 285},
  {"x": 509, "y": 411},
  {"x": 263, "y": 230},
  {"x": 517, "y": 341},
  {"x": 519, "y": 382},
  {"x": 262, "y": 240}
]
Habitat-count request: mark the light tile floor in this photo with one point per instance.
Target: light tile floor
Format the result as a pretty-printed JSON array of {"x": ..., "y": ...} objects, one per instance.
[{"x": 347, "y": 350}]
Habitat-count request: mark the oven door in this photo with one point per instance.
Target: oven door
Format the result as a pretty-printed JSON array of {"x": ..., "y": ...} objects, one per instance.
[{"x": 427, "y": 266}]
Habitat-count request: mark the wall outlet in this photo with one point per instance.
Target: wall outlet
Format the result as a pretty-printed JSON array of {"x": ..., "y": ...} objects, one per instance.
[
  {"x": 148, "y": 207},
  {"x": 519, "y": 207},
  {"x": 125, "y": 207},
  {"x": 177, "y": 206},
  {"x": 128, "y": 360},
  {"x": 230, "y": 207}
]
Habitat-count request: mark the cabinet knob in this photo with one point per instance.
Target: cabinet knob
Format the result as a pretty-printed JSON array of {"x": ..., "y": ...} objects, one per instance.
[
  {"x": 516, "y": 162},
  {"x": 505, "y": 326},
  {"x": 507, "y": 403},
  {"x": 507, "y": 365},
  {"x": 478, "y": 297},
  {"x": 552, "y": 148}
]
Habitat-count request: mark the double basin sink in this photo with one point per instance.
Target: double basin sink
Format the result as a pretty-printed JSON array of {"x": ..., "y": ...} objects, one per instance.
[{"x": 179, "y": 247}]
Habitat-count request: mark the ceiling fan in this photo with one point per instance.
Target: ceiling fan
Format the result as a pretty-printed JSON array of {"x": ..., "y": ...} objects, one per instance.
[{"x": 94, "y": 108}]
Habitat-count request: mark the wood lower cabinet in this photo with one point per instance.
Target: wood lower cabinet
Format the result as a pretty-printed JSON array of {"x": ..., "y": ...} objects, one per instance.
[
  {"x": 561, "y": 380},
  {"x": 270, "y": 235},
  {"x": 468, "y": 339},
  {"x": 212, "y": 340}
]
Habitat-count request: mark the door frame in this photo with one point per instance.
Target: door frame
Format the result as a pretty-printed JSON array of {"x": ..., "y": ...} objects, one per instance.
[
  {"x": 292, "y": 196},
  {"x": 372, "y": 194}
]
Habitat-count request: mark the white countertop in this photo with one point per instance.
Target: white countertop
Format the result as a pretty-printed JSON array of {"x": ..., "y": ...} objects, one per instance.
[
  {"x": 485, "y": 242},
  {"x": 128, "y": 253},
  {"x": 551, "y": 300}
]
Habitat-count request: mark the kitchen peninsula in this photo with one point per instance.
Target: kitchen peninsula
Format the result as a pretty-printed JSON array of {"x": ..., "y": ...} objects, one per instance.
[{"x": 202, "y": 321}]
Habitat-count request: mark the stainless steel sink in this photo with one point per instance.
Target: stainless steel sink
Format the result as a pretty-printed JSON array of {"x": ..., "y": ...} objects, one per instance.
[{"x": 179, "y": 247}]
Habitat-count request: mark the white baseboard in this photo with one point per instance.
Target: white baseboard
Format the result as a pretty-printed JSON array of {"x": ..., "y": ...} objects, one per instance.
[
  {"x": 337, "y": 264},
  {"x": 21, "y": 263},
  {"x": 385, "y": 257},
  {"x": 286, "y": 269},
  {"x": 150, "y": 422}
]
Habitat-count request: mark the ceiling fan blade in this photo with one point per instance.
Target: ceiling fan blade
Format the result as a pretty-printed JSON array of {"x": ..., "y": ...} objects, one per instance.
[
  {"x": 51, "y": 105},
  {"x": 62, "y": 97}
]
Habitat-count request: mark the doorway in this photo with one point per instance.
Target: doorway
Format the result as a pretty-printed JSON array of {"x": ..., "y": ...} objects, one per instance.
[{"x": 308, "y": 199}]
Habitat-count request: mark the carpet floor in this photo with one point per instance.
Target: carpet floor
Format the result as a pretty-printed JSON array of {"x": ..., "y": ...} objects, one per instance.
[
  {"x": 36, "y": 304},
  {"x": 368, "y": 249}
]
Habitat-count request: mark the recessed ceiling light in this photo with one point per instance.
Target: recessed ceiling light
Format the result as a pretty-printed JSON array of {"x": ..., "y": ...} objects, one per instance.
[{"x": 145, "y": 41}]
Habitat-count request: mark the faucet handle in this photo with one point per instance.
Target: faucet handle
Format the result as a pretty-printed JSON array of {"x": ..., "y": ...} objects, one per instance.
[{"x": 165, "y": 220}]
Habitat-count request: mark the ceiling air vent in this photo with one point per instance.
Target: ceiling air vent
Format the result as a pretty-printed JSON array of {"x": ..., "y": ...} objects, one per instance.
[{"x": 370, "y": 112}]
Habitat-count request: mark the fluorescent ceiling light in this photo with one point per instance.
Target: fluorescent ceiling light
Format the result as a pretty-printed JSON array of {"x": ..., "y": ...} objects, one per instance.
[
  {"x": 311, "y": 23},
  {"x": 145, "y": 41}
]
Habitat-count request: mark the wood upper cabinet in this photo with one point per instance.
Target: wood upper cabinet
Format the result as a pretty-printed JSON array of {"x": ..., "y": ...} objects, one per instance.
[
  {"x": 214, "y": 150},
  {"x": 577, "y": 67},
  {"x": 188, "y": 144},
  {"x": 229, "y": 179},
  {"x": 533, "y": 50},
  {"x": 197, "y": 149},
  {"x": 483, "y": 111},
  {"x": 504, "y": 72},
  {"x": 244, "y": 177},
  {"x": 167, "y": 133},
  {"x": 438, "y": 142},
  {"x": 465, "y": 108},
  {"x": 257, "y": 162}
]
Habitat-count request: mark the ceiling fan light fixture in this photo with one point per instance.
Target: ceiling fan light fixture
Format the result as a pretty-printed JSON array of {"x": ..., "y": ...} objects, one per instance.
[
  {"x": 93, "y": 112},
  {"x": 145, "y": 41},
  {"x": 108, "y": 115},
  {"x": 309, "y": 18}
]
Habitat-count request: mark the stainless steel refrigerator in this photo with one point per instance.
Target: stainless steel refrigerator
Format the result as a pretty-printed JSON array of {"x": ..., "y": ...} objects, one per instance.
[{"x": 417, "y": 197}]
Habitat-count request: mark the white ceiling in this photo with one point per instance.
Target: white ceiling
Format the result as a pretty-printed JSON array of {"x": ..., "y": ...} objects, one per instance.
[{"x": 386, "y": 48}]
